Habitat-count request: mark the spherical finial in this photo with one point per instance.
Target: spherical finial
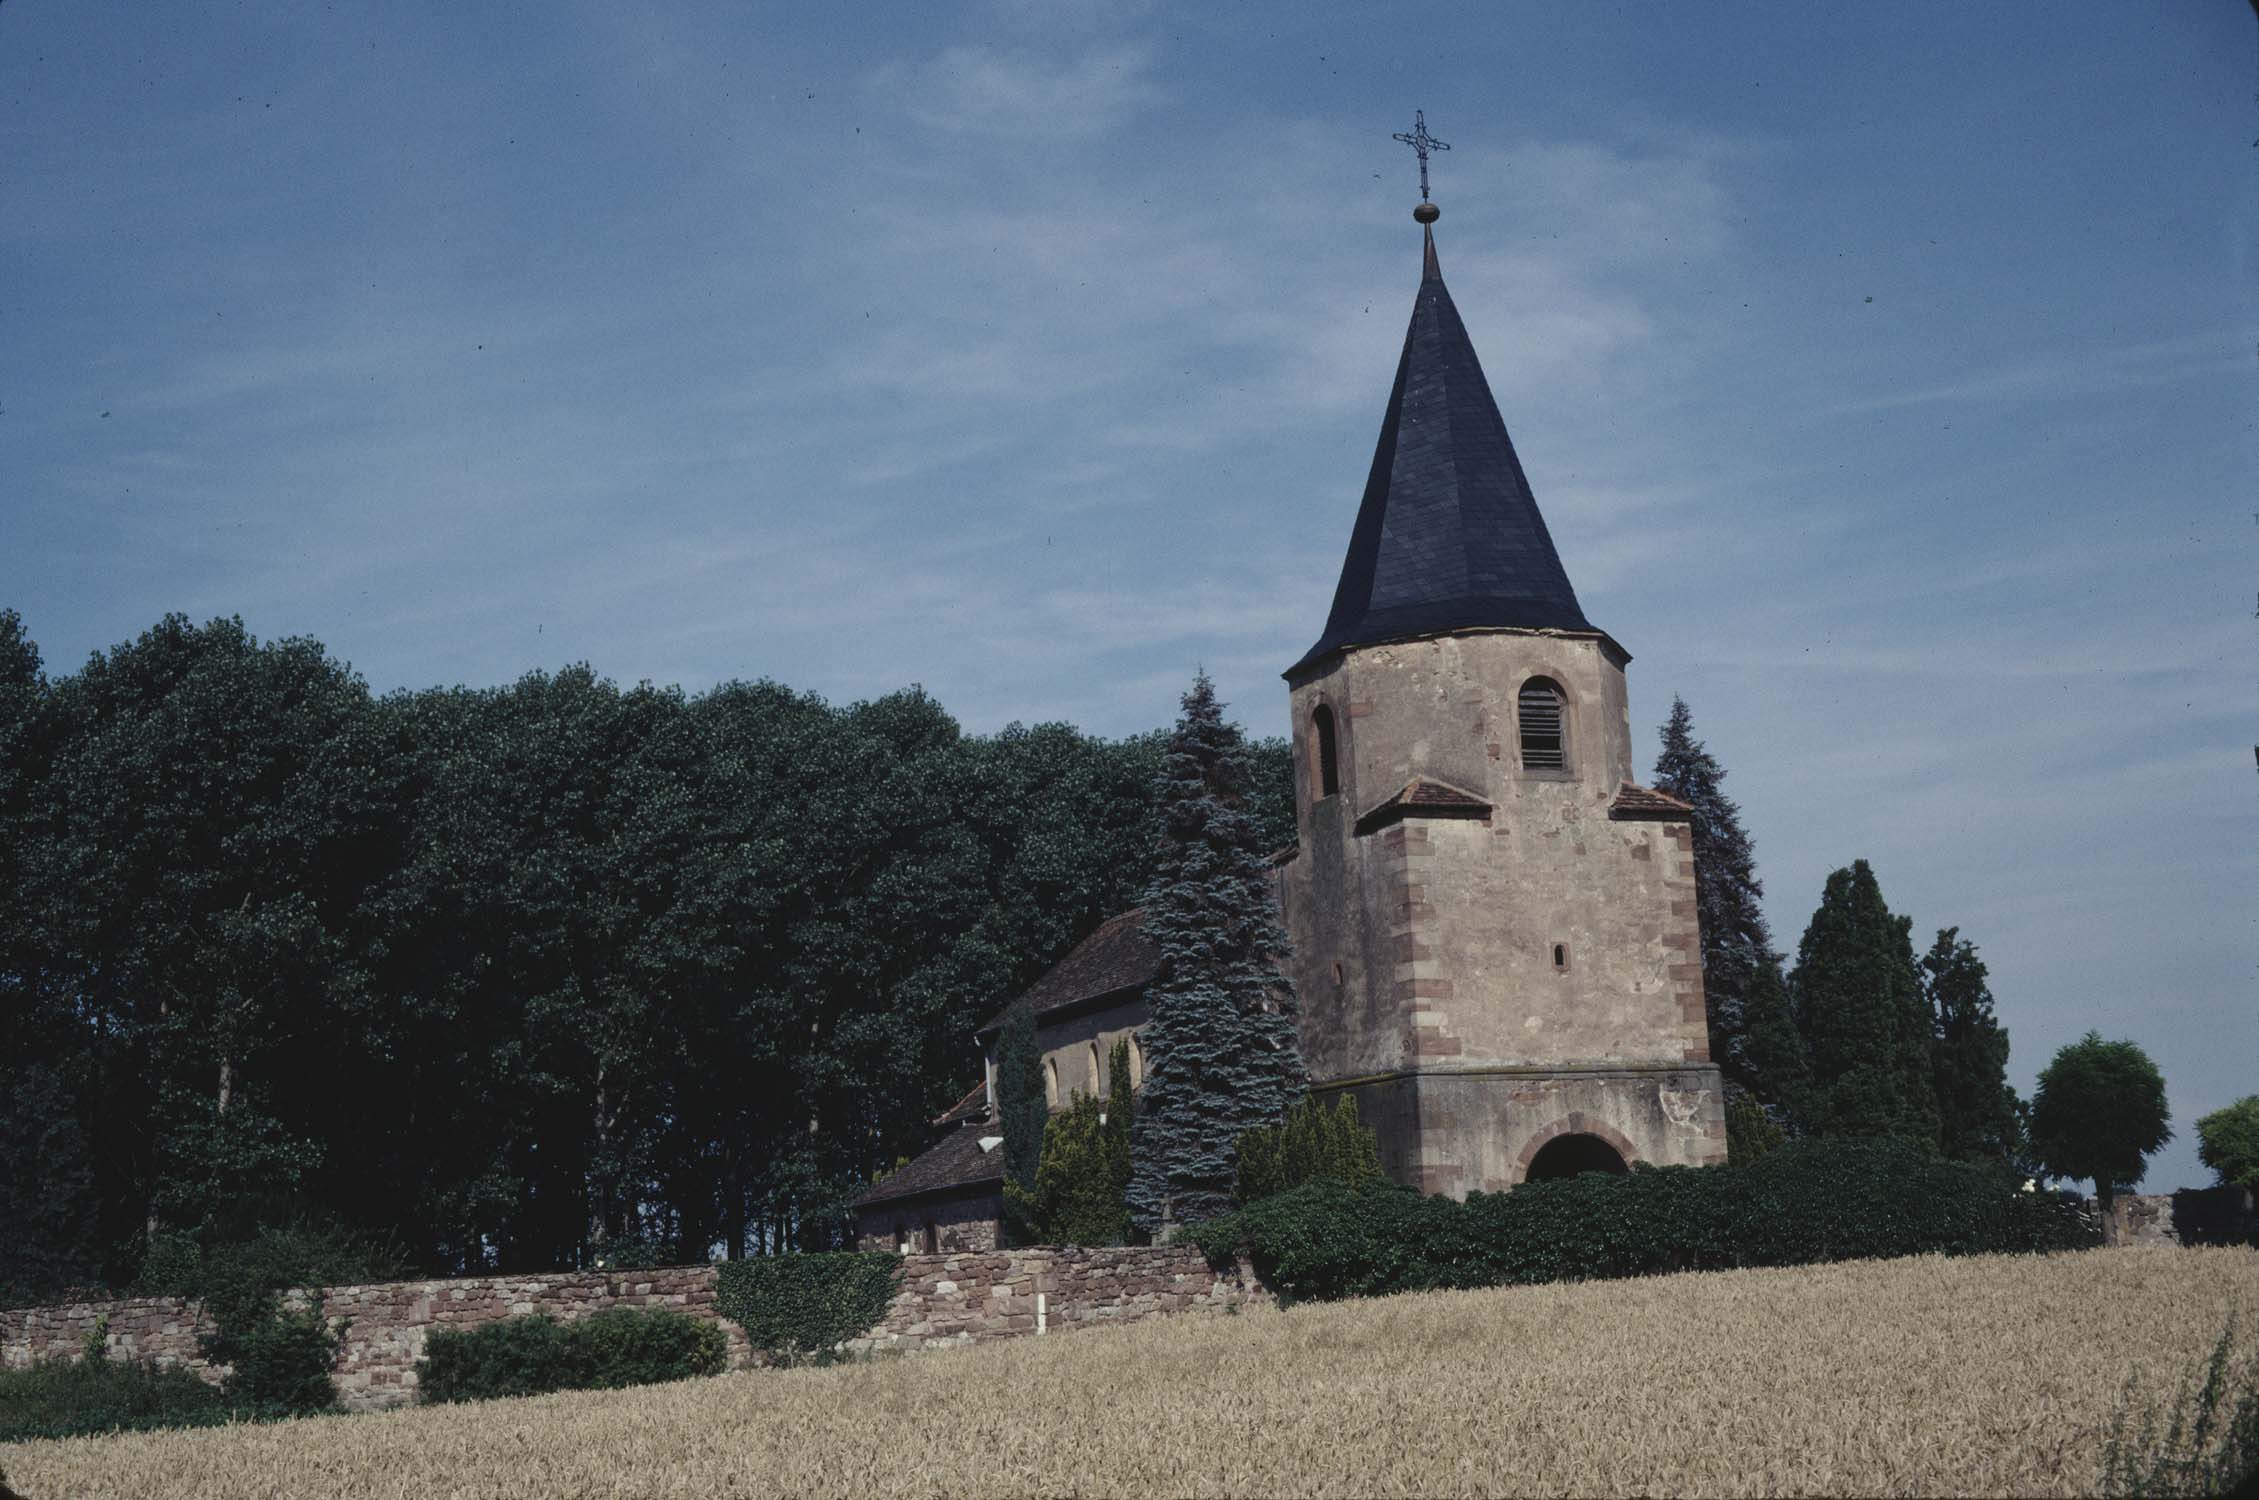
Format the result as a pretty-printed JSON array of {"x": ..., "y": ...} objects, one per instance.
[{"x": 1427, "y": 213}]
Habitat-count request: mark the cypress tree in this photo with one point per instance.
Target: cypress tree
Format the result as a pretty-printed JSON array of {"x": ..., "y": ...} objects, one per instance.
[
  {"x": 1021, "y": 1108},
  {"x": 1737, "y": 945},
  {"x": 1221, "y": 1045},
  {"x": 1968, "y": 1053},
  {"x": 1865, "y": 1025}
]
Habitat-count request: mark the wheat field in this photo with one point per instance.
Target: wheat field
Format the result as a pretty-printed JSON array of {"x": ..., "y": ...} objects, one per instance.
[{"x": 1992, "y": 1375}]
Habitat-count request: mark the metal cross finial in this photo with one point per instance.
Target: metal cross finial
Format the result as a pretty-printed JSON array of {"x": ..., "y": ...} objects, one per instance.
[{"x": 1420, "y": 141}]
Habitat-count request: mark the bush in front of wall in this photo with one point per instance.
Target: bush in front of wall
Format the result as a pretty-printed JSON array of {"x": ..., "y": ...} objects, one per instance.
[
  {"x": 1809, "y": 1202},
  {"x": 799, "y": 1308},
  {"x": 527, "y": 1356},
  {"x": 73, "y": 1398}
]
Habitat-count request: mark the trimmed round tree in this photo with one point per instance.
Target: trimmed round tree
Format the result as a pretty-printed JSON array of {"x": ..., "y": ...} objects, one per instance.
[
  {"x": 2099, "y": 1112},
  {"x": 2227, "y": 1141},
  {"x": 1222, "y": 1056}
]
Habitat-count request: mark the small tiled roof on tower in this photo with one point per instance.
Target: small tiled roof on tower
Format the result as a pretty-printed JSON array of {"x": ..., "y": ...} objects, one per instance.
[{"x": 1449, "y": 536}]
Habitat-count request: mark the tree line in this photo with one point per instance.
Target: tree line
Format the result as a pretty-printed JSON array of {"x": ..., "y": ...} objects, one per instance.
[
  {"x": 1862, "y": 1038},
  {"x": 508, "y": 976}
]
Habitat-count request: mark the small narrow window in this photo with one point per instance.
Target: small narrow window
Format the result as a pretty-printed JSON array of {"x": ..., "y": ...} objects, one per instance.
[
  {"x": 901, "y": 1239},
  {"x": 1051, "y": 1082},
  {"x": 1097, "y": 1074},
  {"x": 1544, "y": 743},
  {"x": 1329, "y": 759},
  {"x": 1137, "y": 1064},
  {"x": 932, "y": 1239},
  {"x": 1560, "y": 955},
  {"x": 1337, "y": 973}
]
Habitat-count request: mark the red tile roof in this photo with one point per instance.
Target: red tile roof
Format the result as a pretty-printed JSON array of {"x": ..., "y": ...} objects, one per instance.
[
  {"x": 1636, "y": 802},
  {"x": 1423, "y": 797}
]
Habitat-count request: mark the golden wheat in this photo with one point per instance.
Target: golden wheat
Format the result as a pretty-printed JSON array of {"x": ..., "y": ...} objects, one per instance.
[{"x": 1930, "y": 1376}]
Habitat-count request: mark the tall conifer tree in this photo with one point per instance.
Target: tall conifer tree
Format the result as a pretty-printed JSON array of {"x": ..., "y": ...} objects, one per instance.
[
  {"x": 1022, "y": 1105},
  {"x": 1866, "y": 1026},
  {"x": 1737, "y": 945},
  {"x": 1221, "y": 1046},
  {"x": 1968, "y": 1053}
]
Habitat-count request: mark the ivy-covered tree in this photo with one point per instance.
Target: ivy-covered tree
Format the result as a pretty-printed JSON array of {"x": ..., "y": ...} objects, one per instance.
[
  {"x": 1737, "y": 945},
  {"x": 1968, "y": 1054},
  {"x": 1865, "y": 1025},
  {"x": 2099, "y": 1112},
  {"x": 1221, "y": 1048}
]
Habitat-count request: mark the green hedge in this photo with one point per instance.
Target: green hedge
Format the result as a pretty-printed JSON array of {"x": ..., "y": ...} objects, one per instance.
[
  {"x": 527, "y": 1356},
  {"x": 800, "y": 1307},
  {"x": 70, "y": 1398},
  {"x": 1810, "y": 1202}
]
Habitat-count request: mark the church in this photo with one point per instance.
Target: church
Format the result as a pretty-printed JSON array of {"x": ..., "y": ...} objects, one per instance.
[{"x": 1495, "y": 942}]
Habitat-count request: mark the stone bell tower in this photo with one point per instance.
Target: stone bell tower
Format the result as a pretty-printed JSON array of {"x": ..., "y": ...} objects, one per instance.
[{"x": 1494, "y": 929}]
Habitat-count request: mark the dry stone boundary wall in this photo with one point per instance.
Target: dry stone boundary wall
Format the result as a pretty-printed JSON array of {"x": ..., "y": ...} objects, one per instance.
[{"x": 944, "y": 1300}]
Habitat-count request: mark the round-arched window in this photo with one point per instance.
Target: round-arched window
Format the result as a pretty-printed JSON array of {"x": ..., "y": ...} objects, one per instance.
[
  {"x": 1051, "y": 1081},
  {"x": 1329, "y": 755}
]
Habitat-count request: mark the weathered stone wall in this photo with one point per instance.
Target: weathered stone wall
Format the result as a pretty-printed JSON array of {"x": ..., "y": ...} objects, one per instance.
[
  {"x": 1425, "y": 951},
  {"x": 958, "y": 1225},
  {"x": 944, "y": 1300},
  {"x": 2192, "y": 1216}
]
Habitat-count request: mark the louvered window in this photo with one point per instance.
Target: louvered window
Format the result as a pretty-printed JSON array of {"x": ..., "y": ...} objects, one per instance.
[{"x": 1544, "y": 743}]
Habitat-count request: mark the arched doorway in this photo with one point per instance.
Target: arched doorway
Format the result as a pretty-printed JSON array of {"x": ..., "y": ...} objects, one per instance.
[{"x": 1569, "y": 1155}]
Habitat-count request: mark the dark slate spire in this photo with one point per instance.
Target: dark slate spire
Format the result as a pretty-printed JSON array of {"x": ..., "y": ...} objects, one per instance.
[{"x": 1448, "y": 537}]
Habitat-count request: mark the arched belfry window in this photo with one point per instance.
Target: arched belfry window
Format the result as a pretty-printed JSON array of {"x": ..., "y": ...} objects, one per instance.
[
  {"x": 1542, "y": 712},
  {"x": 1329, "y": 756}
]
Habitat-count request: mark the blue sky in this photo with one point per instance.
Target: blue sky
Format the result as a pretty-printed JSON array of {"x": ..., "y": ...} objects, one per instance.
[{"x": 1885, "y": 374}]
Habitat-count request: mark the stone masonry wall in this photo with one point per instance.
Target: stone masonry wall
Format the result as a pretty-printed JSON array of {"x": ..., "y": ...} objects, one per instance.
[{"x": 944, "y": 1300}]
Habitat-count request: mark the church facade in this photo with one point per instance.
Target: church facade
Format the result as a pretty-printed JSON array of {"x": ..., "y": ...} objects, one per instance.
[{"x": 1495, "y": 943}]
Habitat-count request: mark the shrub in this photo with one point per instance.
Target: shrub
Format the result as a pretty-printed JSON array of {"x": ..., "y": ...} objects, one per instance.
[
  {"x": 800, "y": 1307},
  {"x": 1079, "y": 1186},
  {"x": 1312, "y": 1144},
  {"x": 71, "y": 1398},
  {"x": 1807, "y": 1202},
  {"x": 621, "y": 1346},
  {"x": 2205, "y": 1442},
  {"x": 280, "y": 1357}
]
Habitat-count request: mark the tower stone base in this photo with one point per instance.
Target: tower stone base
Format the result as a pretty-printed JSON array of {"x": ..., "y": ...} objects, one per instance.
[{"x": 1482, "y": 1129}]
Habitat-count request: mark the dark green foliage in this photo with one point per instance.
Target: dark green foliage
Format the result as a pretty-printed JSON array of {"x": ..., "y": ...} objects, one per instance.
[
  {"x": 2203, "y": 1442},
  {"x": 1866, "y": 1028},
  {"x": 1808, "y": 1202},
  {"x": 521, "y": 975},
  {"x": 282, "y": 1359},
  {"x": 2099, "y": 1112},
  {"x": 1751, "y": 1134},
  {"x": 1968, "y": 1054},
  {"x": 800, "y": 1307},
  {"x": 1737, "y": 945},
  {"x": 70, "y": 1398},
  {"x": 50, "y": 1232},
  {"x": 1023, "y": 1111},
  {"x": 1078, "y": 1194},
  {"x": 1222, "y": 1054},
  {"x": 609, "y": 1350},
  {"x": 282, "y": 1352},
  {"x": 1314, "y": 1143},
  {"x": 2227, "y": 1141}
]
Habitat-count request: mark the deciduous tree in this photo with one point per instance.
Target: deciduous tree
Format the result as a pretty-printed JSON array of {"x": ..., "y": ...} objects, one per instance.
[{"x": 2099, "y": 1112}]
